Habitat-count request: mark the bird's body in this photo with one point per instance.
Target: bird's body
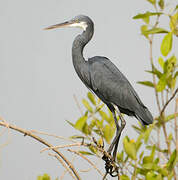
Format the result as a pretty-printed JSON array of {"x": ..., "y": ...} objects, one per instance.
[
  {"x": 99, "y": 74},
  {"x": 103, "y": 78}
]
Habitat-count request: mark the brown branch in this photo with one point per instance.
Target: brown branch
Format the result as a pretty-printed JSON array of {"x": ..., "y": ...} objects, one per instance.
[
  {"x": 82, "y": 156},
  {"x": 64, "y": 165},
  {"x": 173, "y": 95},
  {"x": 28, "y": 133}
]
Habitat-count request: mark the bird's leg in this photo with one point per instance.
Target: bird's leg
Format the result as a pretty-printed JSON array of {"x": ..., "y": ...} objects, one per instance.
[
  {"x": 123, "y": 123},
  {"x": 117, "y": 133},
  {"x": 109, "y": 166}
]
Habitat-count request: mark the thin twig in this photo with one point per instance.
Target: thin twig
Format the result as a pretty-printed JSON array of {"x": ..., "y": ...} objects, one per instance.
[
  {"x": 63, "y": 164},
  {"x": 166, "y": 104},
  {"x": 53, "y": 135},
  {"x": 28, "y": 133},
  {"x": 82, "y": 156},
  {"x": 61, "y": 146}
]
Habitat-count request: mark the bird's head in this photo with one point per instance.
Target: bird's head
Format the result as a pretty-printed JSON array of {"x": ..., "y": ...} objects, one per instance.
[{"x": 80, "y": 21}]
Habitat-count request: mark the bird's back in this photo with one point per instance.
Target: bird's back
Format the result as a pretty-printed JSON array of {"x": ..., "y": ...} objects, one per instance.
[{"x": 112, "y": 87}]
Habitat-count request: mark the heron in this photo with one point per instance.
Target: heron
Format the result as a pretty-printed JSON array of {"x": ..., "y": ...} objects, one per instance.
[{"x": 105, "y": 80}]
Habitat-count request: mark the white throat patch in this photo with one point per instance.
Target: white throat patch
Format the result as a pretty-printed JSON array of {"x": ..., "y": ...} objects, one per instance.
[{"x": 82, "y": 25}]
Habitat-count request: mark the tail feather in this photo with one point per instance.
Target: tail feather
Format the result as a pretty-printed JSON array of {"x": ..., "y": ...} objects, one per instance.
[{"x": 144, "y": 116}]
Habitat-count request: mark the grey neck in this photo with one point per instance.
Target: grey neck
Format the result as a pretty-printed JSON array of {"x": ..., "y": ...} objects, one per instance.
[{"x": 79, "y": 44}]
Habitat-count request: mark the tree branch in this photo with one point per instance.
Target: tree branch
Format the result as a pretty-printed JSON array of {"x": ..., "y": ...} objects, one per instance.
[
  {"x": 28, "y": 133},
  {"x": 173, "y": 95}
]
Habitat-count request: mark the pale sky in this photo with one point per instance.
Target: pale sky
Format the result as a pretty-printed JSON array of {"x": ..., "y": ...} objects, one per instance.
[{"x": 38, "y": 80}]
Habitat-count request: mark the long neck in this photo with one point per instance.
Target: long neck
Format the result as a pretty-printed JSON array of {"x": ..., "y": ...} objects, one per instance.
[{"x": 78, "y": 46}]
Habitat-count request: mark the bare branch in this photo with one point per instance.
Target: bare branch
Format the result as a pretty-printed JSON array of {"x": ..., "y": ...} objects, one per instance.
[
  {"x": 82, "y": 156},
  {"x": 166, "y": 104},
  {"x": 63, "y": 164},
  {"x": 28, "y": 133}
]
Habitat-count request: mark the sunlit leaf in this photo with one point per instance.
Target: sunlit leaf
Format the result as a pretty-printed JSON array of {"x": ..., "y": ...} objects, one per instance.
[
  {"x": 92, "y": 149},
  {"x": 144, "y": 28},
  {"x": 166, "y": 44},
  {"x": 153, "y": 176},
  {"x": 80, "y": 123},
  {"x": 161, "y": 4},
  {"x": 124, "y": 177},
  {"x": 171, "y": 116},
  {"x": 161, "y": 83},
  {"x": 77, "y": 137},
  {"x": 44, "y": 177},
  {"x": 73, "y": 125},
  {"x": 108, "y": 133},
  {"x": 120, "y": 156},
  {"x": 172, "y": 161},
  {"x": 161, "y": 62},
  {"x": 145, "y": 15},
  {"x": 170, "y": 64},
  {"x": 146, "y": 20},
  {"x": 146, "y": 83},
  {"x": 130, "y": 148},
  {"x": 174, "y": 23},
  {"x": 86, "y": 153},
  {"x": 91, "y": 97},
  {"x": 156, "y": 72},
  {"x": 152, "y": 1},
  {"x": 104, "y": 116},
  {"x": 87, "y": 105},
  {"x": 155, "y": 31},
  {"x": 147, "y": 133}
]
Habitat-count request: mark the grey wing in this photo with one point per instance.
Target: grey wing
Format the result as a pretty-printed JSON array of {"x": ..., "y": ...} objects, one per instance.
[
  {"x": 113, "y": 87},
  {"x": 108, "y": 81}
]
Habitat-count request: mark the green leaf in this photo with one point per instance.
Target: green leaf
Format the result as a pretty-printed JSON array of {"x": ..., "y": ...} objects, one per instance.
[
  {"x": 166, "y": 44},
  {"x": 104, "y": 116},
  {"x": 108, "y": 133},
  {"x": 77, "y": 137},
  {"x": 147, "y": 133},
  {"x": 155, "y": 31},
  {"x": 86, "y": 153},
  {"x": 146, "y": 83},
  {"x": 172, "y": 161},
  {"x": 161, "y": 4},
  {"x": 124, "y": 177},
  {"x": 174, "y": 23},
  {"x": 130, "y": 148},
  {"x": 80, "y": 123},
  {"x": 120, "y": 156},
  {"x": 152, "y": 176},
  {"x": 152, "y": 1},
  {"x": 146, "y": 20},
  {"x": 87, "y": 105},
  {"x": 73, "y": 125},
  {"x": 144, "y": 28},
  {"x": 44, "y": 177},
  {"x": 171, "y": 116},
  {"x": 147, "y": 14},
  {"x": 92, "y": 149},
  {"x": 91, "y": 97},
  {"x": 161, "y": 83},
  {"x": 161, "y": 62},
  {"x": 156, "y": 72},
  {"x": 170, "y": 65}
]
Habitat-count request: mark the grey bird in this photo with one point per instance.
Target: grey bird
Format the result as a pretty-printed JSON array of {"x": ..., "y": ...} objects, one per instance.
[{"x": 104, "y": 79}]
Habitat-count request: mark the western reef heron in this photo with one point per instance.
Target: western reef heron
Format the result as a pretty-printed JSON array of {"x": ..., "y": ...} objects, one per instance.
[{"x": 104, "y": 79}]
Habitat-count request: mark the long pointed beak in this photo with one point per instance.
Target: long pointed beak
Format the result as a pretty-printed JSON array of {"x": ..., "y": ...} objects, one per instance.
[{"x": 64, "y": 24}]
